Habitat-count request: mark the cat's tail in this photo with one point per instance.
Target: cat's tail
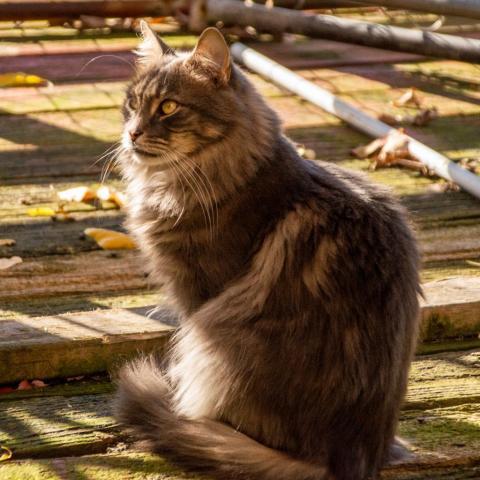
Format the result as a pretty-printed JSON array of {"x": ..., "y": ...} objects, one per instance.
[{"x": 205, "y": 446}]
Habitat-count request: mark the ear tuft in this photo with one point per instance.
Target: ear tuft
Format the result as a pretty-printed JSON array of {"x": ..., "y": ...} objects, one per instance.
[
  {"x": 211, "y": 46},
  {"x": 152, "y": 47}
]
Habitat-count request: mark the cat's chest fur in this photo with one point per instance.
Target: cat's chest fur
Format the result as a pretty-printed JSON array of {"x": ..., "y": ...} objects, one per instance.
[{"x": 197, "y": 258}]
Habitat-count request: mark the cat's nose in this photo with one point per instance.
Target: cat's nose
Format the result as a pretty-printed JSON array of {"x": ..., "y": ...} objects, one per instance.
[{"x": 134, "y": 134}]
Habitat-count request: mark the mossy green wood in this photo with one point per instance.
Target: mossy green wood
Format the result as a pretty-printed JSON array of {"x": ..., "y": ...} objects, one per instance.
[{"x": 441, "y": 415}]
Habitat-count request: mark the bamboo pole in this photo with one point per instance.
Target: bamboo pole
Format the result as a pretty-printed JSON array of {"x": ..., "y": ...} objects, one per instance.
[
  {"x": 232, "y": 12},
  {"x": 459, "y": 8},
  {"x": 293, "y": 82}
]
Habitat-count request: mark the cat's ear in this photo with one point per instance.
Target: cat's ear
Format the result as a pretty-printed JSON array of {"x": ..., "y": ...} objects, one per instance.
[
  {"x": 152, "y": 47},
  {"x": 211, "y": 46}
]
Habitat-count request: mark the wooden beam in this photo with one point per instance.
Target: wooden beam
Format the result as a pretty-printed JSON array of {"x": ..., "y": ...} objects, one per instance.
[
  {"x": 278, "y": 20},
  {"x": 459, "y": 8},
  {"x": 80, "y": 343},
  {"x": 42, "y": 9},
  {"x": 89, "y": 342},
  {"x": 68, "y": 9}
]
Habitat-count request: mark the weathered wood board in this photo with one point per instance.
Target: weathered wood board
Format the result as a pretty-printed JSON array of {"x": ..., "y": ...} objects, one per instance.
[{"x": 442, "y": 423}]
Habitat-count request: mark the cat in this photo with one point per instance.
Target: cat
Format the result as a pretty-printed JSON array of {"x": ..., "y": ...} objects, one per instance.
[{"x": 296, "y": 283}]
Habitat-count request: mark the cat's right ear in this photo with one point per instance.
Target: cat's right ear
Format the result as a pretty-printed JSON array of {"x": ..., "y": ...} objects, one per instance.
[{"x": 152, "y": 47}]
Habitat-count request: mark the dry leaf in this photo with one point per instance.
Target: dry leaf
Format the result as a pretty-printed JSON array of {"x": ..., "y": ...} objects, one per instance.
[
  {"x": 19, "y": 79},
  {"x": 110, "y": 239},
  {"x": 425, "y": 116},
  {"x": 6, "y": 455},
  {"x": 41, "y": 212},
  {"x": 24, "y": 385},
  {"x": 7, "y": 242},
  {"x": 9, "y": 262},
  {"x": 110, "y": 194},
  {"x": 409, "y": 98},
  {"x": 395, "y": 147},
  {"x": 77, "y": 194},
  {"x": 38, "y": 383},
  {"x": 366, "y": 151}
]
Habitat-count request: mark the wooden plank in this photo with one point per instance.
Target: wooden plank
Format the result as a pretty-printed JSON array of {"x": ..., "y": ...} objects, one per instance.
[
  {"x": 142, "y": 466},
  {"x": 442, "y": 426},
  {"x": 59, "y": 425},
  {"x": 84, "y": 342},
  {"x": 79, "y": 343},
  {"x": 96, "y": 271}
]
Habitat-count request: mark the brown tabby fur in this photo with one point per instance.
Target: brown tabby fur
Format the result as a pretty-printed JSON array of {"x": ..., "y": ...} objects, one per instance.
[{"x": 296, "y": 282}]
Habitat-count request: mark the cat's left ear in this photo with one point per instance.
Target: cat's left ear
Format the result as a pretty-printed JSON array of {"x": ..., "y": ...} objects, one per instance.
[
  {"x": 152, "y": 47},
  {"x": 213, "y": 48}
]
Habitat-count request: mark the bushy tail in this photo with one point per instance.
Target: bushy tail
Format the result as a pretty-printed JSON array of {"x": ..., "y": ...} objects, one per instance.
[{"x": 204, "y": 446}]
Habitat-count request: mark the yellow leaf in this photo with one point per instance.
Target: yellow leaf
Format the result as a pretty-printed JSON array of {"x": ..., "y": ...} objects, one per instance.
[
  {"x": 110, "y": 239},
  {"x": 41, "y": 212},
  {"x": 109, "y": 194},
  {"x": 6, "y": 455},
  {"x": 19, "y": 79},
  {"x": 76, "y": 194}
]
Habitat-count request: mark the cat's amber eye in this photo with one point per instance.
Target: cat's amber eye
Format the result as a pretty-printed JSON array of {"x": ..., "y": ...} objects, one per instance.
[{"x": 168, "y": 106}]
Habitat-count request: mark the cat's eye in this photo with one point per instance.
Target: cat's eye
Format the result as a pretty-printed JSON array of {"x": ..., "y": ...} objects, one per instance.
[{"x": 168, "y": 106}]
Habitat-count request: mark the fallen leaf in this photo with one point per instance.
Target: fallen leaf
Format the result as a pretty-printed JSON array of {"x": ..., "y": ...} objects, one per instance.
[
  {"x": 425, "y": 116},
  {"x": 7, "y": 242},
  {"x": 110, "y": 239},
  {"x": 76, "y": 194},
  {"x": 395, "y": 147},
  {"x": 38, "y": 384},
  {"x": 110, "y": 194},
  {"x": 409, "y": 98},
  {"x": 368, "y": 150},
  {"x": 24, "y": 385},
  {"x": 75, "y": 379},
  {"x": 9, "y": 262},
  {"x": 7, "y": 453},
  {"x": 20, "y": 79},
  {"x": 41, "y": 212}
]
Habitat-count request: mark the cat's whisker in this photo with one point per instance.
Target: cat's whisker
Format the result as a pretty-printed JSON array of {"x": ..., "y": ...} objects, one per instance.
[
  {"x": 209, "y": 192},
  {"x": 199, "y": 193}
]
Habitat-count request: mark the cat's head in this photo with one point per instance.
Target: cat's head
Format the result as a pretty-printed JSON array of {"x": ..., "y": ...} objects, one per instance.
[{"x": 179, "y": 104}]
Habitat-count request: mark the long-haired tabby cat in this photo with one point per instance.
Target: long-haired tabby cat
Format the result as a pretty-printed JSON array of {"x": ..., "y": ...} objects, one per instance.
[{"x": 296, "y": 284}]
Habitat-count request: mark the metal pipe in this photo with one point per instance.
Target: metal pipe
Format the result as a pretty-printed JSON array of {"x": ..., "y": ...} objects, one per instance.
[
  {"x": 276, "y": 20},
  {"x": 293, "y": 82}
]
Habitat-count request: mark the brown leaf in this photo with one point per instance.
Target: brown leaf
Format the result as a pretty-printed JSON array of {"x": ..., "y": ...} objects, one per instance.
[
  {"x": 425, "y": 116},
  {"x": 409, "y": 98},
  {"x": 366, "y": 151}
]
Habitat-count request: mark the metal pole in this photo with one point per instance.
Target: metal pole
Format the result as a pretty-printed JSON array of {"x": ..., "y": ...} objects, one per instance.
[
  {"x": 459, "y": 8},
  {"x": 344, "y": 30},
  {"x": 284, "y": 77}
]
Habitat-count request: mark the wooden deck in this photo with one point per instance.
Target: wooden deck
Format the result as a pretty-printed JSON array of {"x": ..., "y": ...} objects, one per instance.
[{"x": 70, "y": 309}]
